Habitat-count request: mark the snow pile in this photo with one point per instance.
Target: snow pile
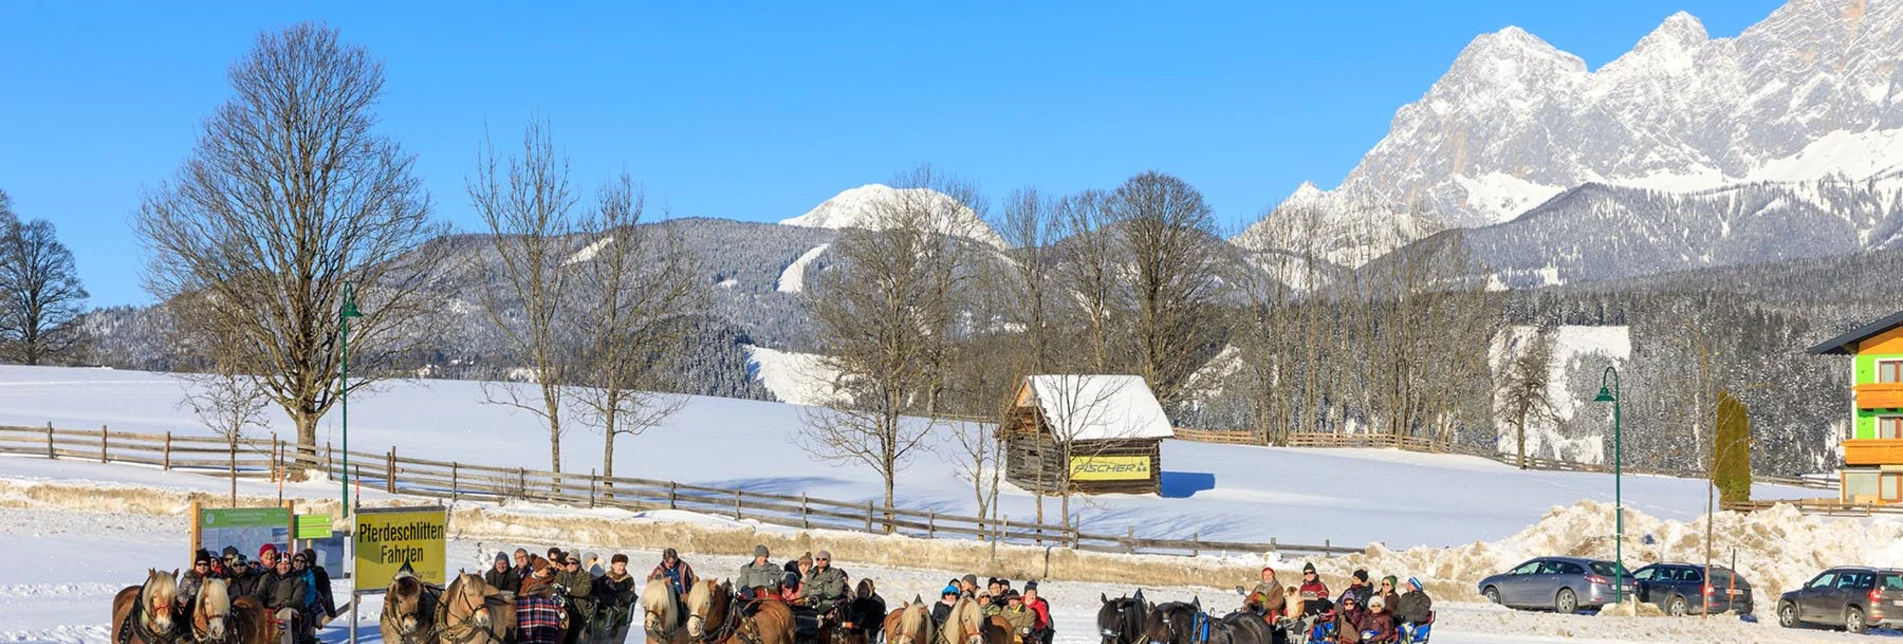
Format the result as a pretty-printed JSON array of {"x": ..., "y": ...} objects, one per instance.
[{"x": 1777, "y": 549}]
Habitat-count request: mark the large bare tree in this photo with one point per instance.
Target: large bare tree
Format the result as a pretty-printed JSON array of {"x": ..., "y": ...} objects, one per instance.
[
  {"x": 43, "y": 298},
  {"x": 288, "y": 195},
  {"x": 1525, "y": 383},
  {"x": 638, "y": 287},
  {"x": 887, "y": 311},
  {"x": 1175, "y": 263},
  {"x": 528, "y": 207}
]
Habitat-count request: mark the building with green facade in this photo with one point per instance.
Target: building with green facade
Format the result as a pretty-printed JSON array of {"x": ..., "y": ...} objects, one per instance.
[{"x": 1873, "y": 452}]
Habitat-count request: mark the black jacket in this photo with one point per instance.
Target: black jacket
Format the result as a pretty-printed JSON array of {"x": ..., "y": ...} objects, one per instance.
[
  {"x": 941, "y": 611},
  {"x": 1413, "y": 607},
  {"x": 505, "y": 580},
  {"x": 282, "y": 591},
  {"x": 324, "y": 597}
]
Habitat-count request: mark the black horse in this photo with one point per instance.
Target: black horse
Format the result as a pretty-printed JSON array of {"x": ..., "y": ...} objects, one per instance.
[
  {"x": 1178, "y": 623},
  {"x": 867, "y": 611},
  {"x": 1123, "y": 620},
  {"x": 1244, "y": 627}
]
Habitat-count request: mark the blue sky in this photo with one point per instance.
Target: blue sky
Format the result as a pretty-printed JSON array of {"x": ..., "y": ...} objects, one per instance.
[{"x": 760, "y": 111}]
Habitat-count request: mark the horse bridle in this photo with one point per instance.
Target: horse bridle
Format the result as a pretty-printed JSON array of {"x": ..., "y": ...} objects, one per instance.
[
  {"x": 461, "y": 631},
  {"x": 397, "y": 622},
  {"x": 136, "y": 625},
  {"x": 198, "y": 610}
]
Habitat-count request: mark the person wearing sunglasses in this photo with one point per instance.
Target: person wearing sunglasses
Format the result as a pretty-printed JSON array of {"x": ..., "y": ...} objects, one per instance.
[
  {"x": 192, "y": 580},
  {"x": 825, "y": 586}
]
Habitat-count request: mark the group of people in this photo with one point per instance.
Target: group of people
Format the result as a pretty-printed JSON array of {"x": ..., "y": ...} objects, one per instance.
[
  {"x": 563, "y": 597},
  {"x": 1390, "y": 612},
  {"x": 293, "y": 586},
  {"x": 1028, "y": 614}
]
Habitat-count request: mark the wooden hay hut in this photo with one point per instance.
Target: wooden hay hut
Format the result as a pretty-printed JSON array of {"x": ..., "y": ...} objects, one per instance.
[{"x": 1096, "y": 433}]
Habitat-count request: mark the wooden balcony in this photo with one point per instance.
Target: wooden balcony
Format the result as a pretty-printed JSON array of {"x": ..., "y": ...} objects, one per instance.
[
  {"x": 1887, "y": 395},
  {"x": 1873, "y": 451}
]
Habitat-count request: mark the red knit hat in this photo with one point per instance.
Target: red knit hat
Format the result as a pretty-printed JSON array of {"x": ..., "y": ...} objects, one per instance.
[{"x": 266, "y": 548}]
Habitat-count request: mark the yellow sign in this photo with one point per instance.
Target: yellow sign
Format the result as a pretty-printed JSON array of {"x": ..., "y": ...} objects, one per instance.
[
  {"x": 1109, "y": 468},
  {"x": 387, "y": 538}
]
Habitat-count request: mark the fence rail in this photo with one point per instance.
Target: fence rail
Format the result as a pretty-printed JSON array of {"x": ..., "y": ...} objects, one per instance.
[
  {"x": 395, "y": 473},
  {"x": 1420, "y": 444},
  {"x": 1834, "y": 507}
]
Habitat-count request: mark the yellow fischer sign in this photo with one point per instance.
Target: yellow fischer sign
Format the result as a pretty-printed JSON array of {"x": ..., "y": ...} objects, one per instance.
[
  {"x": 387, "y": 538},
  {"x": 1109, "y": 468}
]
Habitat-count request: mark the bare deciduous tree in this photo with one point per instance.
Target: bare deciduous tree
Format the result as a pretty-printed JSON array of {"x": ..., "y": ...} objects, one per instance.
[
  {"x": 228, "y": 403},
  {"x": 288, "y": 195},
  {"x": 887, "y": 312},
  {"x": 40, "y": 285},
  {"x": 1175, "y": 263},
  {"x": 1089, "y": 268},
  {"x": 1524, "y": 396},
  {"x": 528, "y": 208},
  {"x": 638, "y": 285}
]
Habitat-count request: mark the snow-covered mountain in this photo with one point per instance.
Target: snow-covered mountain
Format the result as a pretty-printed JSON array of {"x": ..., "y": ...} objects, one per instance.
[
  {"x": 1813, "y": 91},
  {"x": 868, "y": 207}
]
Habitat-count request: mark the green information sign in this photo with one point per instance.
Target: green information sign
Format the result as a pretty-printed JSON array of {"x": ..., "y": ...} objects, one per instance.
[
  {"x": 313, "y": 526},
  {"x": 245, "y": 529},
  {"x": 221, "y": 518}
]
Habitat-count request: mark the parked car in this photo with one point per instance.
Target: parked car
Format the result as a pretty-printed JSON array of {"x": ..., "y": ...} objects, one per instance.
[
  {"x": 1852, "y": 597},
  {"x": 1679, "y": 589},
  {"x": 1563, "y": 584}
]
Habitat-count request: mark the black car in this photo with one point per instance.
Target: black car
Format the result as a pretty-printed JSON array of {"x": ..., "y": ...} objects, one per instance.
[
  {"x": 1679, "y": 589},
  {"x": 1852, "y": 597}
]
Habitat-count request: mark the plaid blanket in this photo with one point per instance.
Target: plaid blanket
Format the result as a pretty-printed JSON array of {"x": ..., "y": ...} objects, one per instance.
[{"x": 538, "y": 620}]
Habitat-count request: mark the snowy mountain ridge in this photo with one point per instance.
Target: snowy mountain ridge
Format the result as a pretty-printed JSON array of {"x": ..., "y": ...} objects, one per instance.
[
  {"x": 867, "y": 207},
  {"x": 1813, "y": 91}
]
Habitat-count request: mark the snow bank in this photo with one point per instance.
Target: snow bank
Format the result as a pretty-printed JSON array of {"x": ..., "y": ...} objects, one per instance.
[{"x": 1777, "y": 549}]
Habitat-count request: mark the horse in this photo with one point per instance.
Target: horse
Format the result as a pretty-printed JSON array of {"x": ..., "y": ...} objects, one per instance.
[
  {"x": 211, "y": 614},
  {"x": 965, "y": 624},
  {"x": 1122, "y": 620},
  {"x": 866, "y": 611},
  {"x": 468, "y": 613},
  {"x": 1244, "y": 628},
  {"x": 1177, "y": 623},
  {"x": 708, "y": 604},
  {"x": 143, "y": 613},
  {"x": 910, "y": 624},
  {"x": 664, "y": 622},
  {"x": 997, "y": 630},
  {"x": 250, "y": 621},
  {"x": 409, "y": 610},
  {"x": 770, "y": 623}
]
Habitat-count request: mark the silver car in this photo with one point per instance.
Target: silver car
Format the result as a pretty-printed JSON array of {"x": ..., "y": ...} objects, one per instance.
[{"x": 1562, "y": 584}]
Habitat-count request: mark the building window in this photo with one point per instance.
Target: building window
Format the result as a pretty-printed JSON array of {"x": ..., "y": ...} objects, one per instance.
[
  {"x": 1860, "y": 486},
  {"x": 1890, "y": 427},
  {"x": 1892, "y": 488},
  {"x": 1890, "y": 371}
]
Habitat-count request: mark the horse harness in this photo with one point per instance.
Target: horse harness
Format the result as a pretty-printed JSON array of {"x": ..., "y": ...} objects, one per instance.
[
  {"x": 198, "y": 610},
  {"x": 466, "y": 629},
  {"x": 391, "y": 618},
  {"x": 134, "y": 625}
]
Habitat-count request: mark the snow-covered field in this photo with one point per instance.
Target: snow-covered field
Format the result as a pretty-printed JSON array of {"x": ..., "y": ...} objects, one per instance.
[
  {"x": 1306, "y": 496},
  {"x": 71, "y": 557}
]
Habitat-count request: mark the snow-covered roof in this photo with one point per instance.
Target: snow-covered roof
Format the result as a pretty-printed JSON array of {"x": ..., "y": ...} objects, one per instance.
[{"x": 1099, "y": 407}]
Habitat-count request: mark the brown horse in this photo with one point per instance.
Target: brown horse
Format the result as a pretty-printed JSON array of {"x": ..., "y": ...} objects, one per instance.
[
  {"x": 471, "y": 613},
  {"x": 666, "y": 620},
  {"x": 965, "y": 625},
  {"x": 143, "y": 613},
  {"x": 707, "y": 608},
  {"x": 771, "y": 623},
  {"x": 409, "y": 610},
  {"x": 250, "y": 622},
  {"x": 211, "y": 614},
  {"x": 910, "y": 624},
  {"x": 997, "y": 630}
]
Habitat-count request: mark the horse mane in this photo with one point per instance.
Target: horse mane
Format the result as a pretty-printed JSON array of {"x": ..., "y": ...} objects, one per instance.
[
  {"x": 160, "y": 585},
  {"x": 659, "y": 599},
  {"x": 213, "y": 592},
  {"x": 912, "y": 619}
]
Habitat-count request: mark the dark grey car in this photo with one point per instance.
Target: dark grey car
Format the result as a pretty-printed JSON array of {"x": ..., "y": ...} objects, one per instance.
[
  {"x": 1563, "y": 584},
  {"x": 1853, "y": 598},
  {"x": 1679, "y": 589}
]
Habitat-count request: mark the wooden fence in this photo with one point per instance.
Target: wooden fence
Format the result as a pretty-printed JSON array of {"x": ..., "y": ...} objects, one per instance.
[
  {"x": 396, "y": 473},
  {"x": 1832, "y": 507},
  {"x": 1420, "y": 444}
]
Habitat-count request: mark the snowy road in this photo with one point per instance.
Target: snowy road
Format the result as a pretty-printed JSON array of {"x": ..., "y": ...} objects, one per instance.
[{"x": 66, "y": 565}]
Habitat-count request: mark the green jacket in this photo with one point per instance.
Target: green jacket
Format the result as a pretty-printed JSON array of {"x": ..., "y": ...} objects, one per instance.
[
  {"x": 765, "y": 575},
  {"x": 580, "y": 586},
  {"x": 824, "y": 585}
]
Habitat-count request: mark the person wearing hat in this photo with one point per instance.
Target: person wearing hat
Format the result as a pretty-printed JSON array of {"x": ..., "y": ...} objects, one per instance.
[
  {"x": 501, "y": 576},
  {"x": 268, "y": 556},
  {"x": 321, "y": 579},
  {"x": 1414, "y": 610},
  {"x": 267, "y": 573},
  {"x": 677, "y": 573},
  {"x": 968, "y": 586},
  {"x": 615, "y": 594},
  {"x": 1041, "y": 623},
  {"x": 1266, "y": 598},
  {"x": 580, "y": 587},
  {"x": 192, "y": 580},
  {"x": 241, "y": 578},
  {"x": 760, "y": 577},
  {"x": 824, "y": 586},
  {"x": 539, "y": 615},
  {"x": 1020, "y": 618},
  {"x": 947, "y": 598},
  {"x": 1359, "y": 587},
  {"x": 1388, "y": 592},
  {"x": 1314, "y": 593},
  {"x": 1377, "y": 624},
  {"x": 1350, "y": 616}
]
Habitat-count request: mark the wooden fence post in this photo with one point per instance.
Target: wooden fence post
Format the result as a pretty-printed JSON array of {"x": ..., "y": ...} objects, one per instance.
[
  {"x": 806, "y": 521},
  {"x": 1326, "y": 552},
  {"x": 736, "y": 504},
  {"x": 389, "y": 484},
  {"x": 1273, "y": 548},
  {"x": 234, "y": 472},
  {"x": 673, "y": 493},
  {"x": 522, "y": 481},
  {"x": 868, "y": 516},
  {"x": 591, "y": 488},
  {"x": 931, "y": 524},
  {"x": 168, "y": 453},
  {"x": 330, "y": 459},
  {"x": 1130, "y": 539},
  {"x": 102, "y": 444},
  {"x": 50, "y": 452},
  {"x": 453, "y": 483}
]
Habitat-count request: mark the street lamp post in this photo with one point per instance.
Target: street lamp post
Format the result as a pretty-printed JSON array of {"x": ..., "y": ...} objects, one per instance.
[
  {"x": 1611, "y": 395},
  {"x": 344, "y": 313}
]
